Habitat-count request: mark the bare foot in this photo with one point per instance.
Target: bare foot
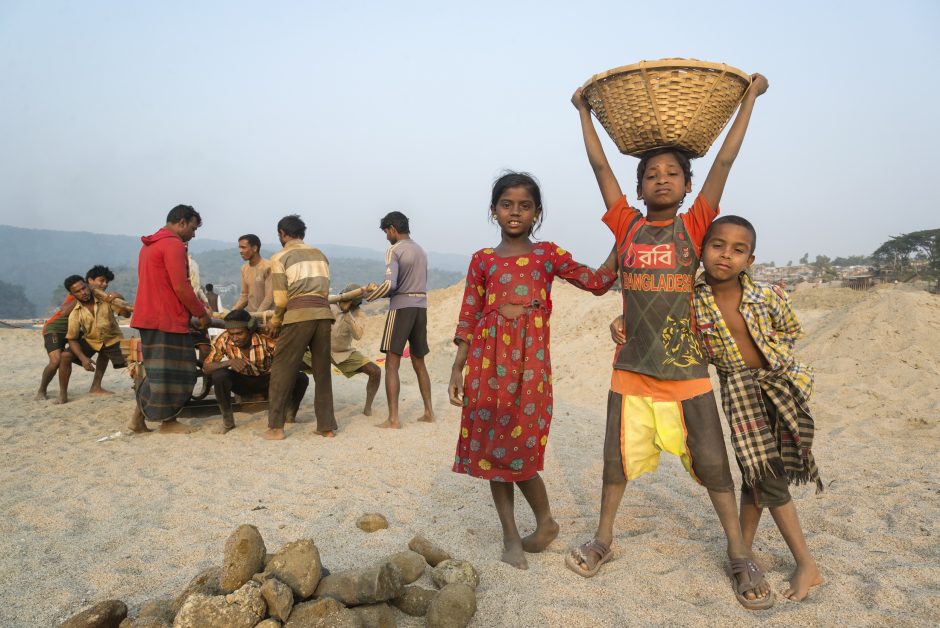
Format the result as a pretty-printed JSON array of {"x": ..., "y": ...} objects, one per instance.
[
  {"x": 514, "y": 555},
  {"x": 541, "y": 538},
  {"x": 802, "y": 580},
  {"x": 222, "y": 429},
  {"x": 395, "y": 425},
  {"x": 427, "y": 418},
  {"x": 40, "y": 396},
  {"x": 274, "y": 434},
  {"x": 290, "y": 419},
  {"x": 326, "y": 434},
  {"x": 367, "y": 411},
  {"x": 137, "y": 424},
  {"x": 63, "y": 398},
  {"x": 99, "y": 391},
  {"x": 174, "y": 427}
]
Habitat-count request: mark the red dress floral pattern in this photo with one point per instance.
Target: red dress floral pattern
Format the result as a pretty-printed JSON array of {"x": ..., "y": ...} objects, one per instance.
[{"x": 507, "y": 404}]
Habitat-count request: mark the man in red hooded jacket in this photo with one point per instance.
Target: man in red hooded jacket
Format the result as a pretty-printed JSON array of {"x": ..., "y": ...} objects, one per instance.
[{"x": 163, "y": 306}]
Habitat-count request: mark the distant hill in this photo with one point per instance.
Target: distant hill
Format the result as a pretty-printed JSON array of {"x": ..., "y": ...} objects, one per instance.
[{"x": 38, "y": 260}]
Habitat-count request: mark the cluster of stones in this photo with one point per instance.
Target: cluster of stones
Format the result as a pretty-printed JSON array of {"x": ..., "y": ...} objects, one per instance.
[{"x": 254, "y": 589}]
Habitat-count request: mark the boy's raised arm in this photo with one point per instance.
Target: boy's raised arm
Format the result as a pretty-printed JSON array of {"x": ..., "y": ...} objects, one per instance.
[
  {"x": 718, "y": 175},
  {"x": 606, "y": 181}
]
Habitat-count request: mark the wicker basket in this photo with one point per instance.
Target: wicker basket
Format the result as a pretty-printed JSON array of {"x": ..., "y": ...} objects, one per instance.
[{"x": 670, "y": 102}]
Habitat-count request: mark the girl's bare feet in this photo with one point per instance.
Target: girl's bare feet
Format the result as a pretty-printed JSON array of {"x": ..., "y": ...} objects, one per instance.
[
  {"x": 513, "y": 554},
  {"x": 427, "y": 418},
  {"x": 542, "y": 537},
  {"x": 802, "y": 580},
  {"x": 395, "y": 425}
]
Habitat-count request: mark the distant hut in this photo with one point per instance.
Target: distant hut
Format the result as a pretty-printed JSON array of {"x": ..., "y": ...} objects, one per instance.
[{"x": 859, "y": 282}]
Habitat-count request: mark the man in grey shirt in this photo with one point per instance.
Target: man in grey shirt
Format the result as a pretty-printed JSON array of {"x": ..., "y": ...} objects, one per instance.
[{"x": 406, "y": 281}]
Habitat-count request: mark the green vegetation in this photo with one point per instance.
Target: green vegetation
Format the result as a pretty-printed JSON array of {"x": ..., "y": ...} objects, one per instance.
[
  {"x": 910, "y": 255},
  {"x": 13, "y": 302}
]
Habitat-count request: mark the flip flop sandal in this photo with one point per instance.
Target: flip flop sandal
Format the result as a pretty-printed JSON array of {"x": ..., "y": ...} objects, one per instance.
[
  {"x": 577, "y": 558},
  {"x": 751, "y": 580}
]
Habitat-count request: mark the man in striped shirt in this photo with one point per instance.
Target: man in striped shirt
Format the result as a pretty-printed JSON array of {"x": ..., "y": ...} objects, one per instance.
[{"x": 302, "y": 318}]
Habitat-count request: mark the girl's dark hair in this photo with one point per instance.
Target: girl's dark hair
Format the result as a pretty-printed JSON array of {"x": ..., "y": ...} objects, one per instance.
[
  {"x": 525, "y": 180},
  {"x": 732, "y": 220},
  {"x": 681, "y": 156}
]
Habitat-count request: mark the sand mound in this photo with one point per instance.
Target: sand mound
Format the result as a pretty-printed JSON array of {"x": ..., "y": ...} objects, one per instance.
[{"x": 880, "y": 352}]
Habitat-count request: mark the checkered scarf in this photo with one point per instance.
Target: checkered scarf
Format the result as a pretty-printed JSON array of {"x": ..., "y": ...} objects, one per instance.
[{"x": 762, "y": 451}]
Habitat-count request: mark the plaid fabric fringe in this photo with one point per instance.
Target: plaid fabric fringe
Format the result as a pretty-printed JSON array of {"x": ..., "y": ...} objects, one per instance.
[
  {"x": 170, "y": 374},
  {"x": 762, "y": 451}
]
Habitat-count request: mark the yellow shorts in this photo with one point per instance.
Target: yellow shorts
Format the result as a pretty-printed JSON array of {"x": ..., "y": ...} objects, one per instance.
[{"x": 646, "y": 416}]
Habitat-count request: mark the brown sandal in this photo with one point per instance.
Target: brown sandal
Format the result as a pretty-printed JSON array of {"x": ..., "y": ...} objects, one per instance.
[
  {"x": 751, "y": 580},
  {"x": 578, "y": 558}
]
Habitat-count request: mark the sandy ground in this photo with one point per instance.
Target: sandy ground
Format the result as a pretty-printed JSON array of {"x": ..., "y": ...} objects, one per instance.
[{"x": 135, "y": 517}]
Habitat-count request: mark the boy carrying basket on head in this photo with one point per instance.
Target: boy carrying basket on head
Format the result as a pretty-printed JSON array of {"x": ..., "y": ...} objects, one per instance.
[{"x": 660, "y": 396}]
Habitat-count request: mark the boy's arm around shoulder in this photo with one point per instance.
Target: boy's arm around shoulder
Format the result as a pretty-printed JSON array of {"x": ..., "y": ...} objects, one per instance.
[{"x": 714, "y": 184}]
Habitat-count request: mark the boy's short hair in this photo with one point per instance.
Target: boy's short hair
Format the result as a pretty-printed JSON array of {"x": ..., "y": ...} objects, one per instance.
[
  {"x": 292, "y": 226},
  {"x": 70, "y": 281},
  {"x": 183, "y": 212},
  {"x": 99, "y": 271},
  {"x": 252, "y": 240},
  {"x": 681, "y": 156},
  {"x": 395, "y": 219},
  {"x": 732, "y": 220},
  {"x": 209, "y": 287}
]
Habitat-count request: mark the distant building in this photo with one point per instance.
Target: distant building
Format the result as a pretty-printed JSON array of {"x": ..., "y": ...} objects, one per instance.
[{"x": 859, "y": 282}]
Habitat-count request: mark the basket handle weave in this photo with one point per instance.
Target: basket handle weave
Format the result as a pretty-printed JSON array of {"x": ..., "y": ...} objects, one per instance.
[
  {"x": 715, "y": 84},
  {"x": 649, "y": 94}
]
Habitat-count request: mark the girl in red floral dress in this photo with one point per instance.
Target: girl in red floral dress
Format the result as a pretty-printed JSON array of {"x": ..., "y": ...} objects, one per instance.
[{"x": 503, "y": 339}]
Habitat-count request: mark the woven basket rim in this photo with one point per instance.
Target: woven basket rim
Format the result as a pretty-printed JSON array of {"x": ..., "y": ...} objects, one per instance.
[{"x": 671, "y": 63}]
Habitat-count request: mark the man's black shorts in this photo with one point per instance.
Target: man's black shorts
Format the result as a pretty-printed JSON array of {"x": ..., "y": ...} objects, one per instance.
[
  {"x": 409, "y": 324},
  {"x": 55, "y": 342},
  {"x": 112, "y": 352}
]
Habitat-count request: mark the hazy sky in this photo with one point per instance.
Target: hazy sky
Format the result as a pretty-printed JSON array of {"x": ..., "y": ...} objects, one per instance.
[{"x": 113, "y": 112}]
